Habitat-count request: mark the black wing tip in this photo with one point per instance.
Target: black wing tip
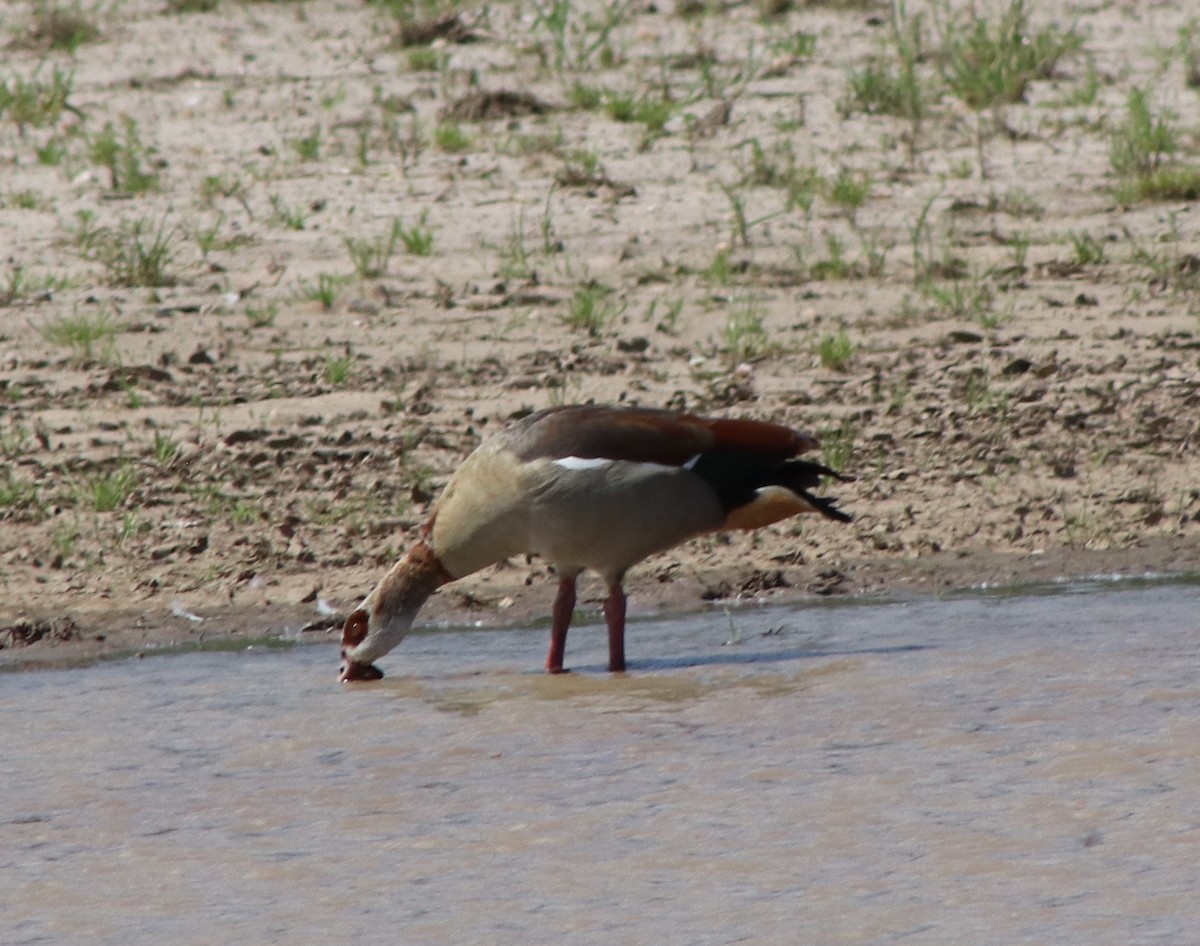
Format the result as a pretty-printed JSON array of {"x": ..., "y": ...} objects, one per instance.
[
  {"x": 826, "y": 506},
  {"x": 837, "y": 515},
  {"x": 832, "y": 474}
]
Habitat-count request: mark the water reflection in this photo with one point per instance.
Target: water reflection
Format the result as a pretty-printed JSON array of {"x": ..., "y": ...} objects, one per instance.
[{"x": 975, "y": 769}]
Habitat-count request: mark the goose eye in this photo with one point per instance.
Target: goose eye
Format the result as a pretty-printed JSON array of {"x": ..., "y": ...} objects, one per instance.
[{"x": 355, "y": 630}]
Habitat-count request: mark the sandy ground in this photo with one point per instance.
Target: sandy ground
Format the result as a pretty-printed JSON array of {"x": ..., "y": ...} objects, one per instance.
[{"x": 261, "y": 420}]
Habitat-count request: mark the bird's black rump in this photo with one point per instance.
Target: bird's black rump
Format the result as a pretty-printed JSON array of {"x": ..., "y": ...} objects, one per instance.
[{"x": 737, "y": 479}]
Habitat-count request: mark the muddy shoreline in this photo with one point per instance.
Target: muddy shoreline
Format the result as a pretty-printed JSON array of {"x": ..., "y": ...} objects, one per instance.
[{"x": 81, "y": 636}]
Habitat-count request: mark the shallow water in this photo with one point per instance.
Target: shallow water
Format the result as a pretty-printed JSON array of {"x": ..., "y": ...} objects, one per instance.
[{"x": 970, "y": 770}]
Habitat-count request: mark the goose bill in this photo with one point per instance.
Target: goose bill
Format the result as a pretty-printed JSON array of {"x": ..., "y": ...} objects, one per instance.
[{"x": 352, "y": 671}]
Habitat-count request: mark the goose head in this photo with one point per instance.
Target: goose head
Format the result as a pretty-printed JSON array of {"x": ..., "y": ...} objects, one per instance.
[{"x": 384, "y": 617}]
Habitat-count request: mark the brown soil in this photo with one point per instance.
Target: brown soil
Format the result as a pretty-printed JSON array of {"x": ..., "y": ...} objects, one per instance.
[{"x": 1027, "y": 410}]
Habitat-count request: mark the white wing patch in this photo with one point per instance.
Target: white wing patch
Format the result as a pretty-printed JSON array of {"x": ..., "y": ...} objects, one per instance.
[{"x": 582, "y": 463}]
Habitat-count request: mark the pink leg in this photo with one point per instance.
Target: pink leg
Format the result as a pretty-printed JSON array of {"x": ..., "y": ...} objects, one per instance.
[
  {"x": 614, "y": 614},
  {"x": 564, "y": 607}
]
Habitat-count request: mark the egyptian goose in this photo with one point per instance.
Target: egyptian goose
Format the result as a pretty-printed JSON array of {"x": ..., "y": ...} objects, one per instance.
[{"x": 589, "y": 487}]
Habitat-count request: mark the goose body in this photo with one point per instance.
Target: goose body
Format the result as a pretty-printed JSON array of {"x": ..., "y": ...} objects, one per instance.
[{"x": 589, "y": 487}]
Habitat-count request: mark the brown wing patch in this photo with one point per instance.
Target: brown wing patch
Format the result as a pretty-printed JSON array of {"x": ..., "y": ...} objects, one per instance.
[
  {"x": 759, "y": 438},
  {"x": 643, "y": 435},
  {"x": 639, "y": 435}
]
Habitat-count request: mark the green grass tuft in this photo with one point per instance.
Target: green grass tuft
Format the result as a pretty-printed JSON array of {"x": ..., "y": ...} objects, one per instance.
[
  {"x": 834, "y": 350},
  {"x": 89, "y": 335}
]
